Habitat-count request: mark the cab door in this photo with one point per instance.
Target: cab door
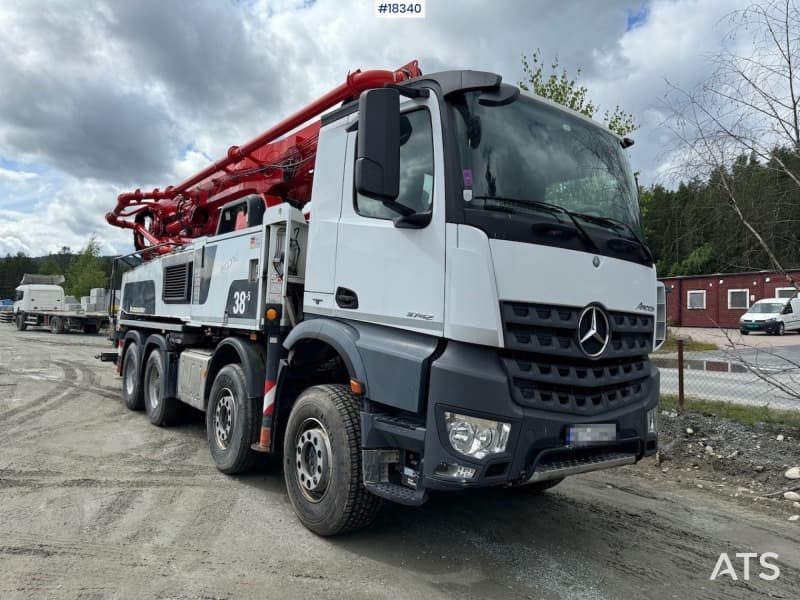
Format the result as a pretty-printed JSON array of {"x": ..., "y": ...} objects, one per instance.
[
  {"x": 387, "y": 274},
  {"x": 791, "y": 315}
]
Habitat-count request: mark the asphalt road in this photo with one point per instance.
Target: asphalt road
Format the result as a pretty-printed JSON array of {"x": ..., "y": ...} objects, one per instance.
[
  {"x": 96, "y": 503},
  {"x": 758, "y": 373}
]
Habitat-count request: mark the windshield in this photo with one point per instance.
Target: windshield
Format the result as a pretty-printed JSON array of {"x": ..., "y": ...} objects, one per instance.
[
  {"x": 529, "y": 150},
  {"x": 767, "y": 307}
]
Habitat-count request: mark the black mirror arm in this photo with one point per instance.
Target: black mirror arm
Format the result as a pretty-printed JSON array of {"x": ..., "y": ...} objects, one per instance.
[
  {"x": 417, "y": 220},
  {"x": 409, "y": 92},
  {"x": 399, "y": 208}
]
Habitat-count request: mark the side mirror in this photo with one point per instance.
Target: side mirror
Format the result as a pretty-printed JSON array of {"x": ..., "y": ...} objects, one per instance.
[{"x": 377, "y": 168}]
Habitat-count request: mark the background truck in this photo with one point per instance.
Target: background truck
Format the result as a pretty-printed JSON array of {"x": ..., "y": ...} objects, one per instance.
[
  {"x": 438, "y": 284},
  {"x": 39, "y": 301}
]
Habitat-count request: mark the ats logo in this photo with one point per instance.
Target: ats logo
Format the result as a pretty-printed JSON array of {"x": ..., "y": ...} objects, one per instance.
[{"x": 725, "y": 567}]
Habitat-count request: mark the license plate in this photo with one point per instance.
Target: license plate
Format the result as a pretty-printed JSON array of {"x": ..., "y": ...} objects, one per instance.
[
  {"x": 753, "y": 325},
  {"x": 579, "y": 435}
]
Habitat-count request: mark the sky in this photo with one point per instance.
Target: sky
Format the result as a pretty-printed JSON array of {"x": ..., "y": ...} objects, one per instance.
[{"x": 100, "y": 97}]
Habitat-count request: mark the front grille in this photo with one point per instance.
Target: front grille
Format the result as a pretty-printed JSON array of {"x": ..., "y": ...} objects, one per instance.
[
  {"x": 579, "y": 387},
  {"x": 552, "y": 330}
]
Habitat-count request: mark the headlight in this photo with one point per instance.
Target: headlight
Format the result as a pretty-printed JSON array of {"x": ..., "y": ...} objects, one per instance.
[
  {"x": 771, "y": 320},
  {"x": 652, "y": 420},
  {"x": 475, "y": 437}
]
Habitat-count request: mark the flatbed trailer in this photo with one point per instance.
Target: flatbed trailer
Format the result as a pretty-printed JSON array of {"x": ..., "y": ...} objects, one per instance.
[{"x": 62, "y": 321}]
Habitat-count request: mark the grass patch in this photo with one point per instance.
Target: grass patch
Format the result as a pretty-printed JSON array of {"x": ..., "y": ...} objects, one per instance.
[
  {"x": 749, "y": 415},
  {"x": 671, "y": 346}
]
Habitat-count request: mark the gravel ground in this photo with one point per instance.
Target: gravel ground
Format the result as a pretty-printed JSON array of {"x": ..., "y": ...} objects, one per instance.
[
  {"x": 746, "y": 462},
  {"x": 96, "y": 503}
]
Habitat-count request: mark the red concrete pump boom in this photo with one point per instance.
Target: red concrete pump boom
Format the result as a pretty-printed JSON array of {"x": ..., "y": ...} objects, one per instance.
[{"x": 279, "y": 170}]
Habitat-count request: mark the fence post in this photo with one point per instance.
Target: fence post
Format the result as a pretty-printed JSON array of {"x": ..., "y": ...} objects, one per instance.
[{"x": 680, "y": 375}]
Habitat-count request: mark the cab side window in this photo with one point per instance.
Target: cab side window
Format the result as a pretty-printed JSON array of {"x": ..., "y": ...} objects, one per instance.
[{"x": 416, "y": 169}]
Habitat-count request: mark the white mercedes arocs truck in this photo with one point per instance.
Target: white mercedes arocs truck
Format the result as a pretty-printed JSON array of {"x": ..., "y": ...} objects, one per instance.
[{"x": 470, "y": 303}]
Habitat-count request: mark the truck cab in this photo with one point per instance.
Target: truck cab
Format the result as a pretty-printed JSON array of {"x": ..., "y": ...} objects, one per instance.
[
  {"x": 496, "y": 284},
  {"x": 31, "y": 297}
]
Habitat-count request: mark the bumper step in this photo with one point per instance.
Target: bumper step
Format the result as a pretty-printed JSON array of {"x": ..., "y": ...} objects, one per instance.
[
  {"x": 398, "y": 493},
  {"x": 594, "y": 462}
]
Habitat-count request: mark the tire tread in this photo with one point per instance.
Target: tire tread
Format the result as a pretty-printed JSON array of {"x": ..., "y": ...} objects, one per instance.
[{"x": 361, "y": 507}]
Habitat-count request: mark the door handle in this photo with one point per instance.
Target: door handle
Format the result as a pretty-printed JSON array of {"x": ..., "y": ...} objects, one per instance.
[{"x": 346, "y": 298}]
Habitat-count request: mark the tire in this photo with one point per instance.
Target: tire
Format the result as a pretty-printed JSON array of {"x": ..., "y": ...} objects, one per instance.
[
  {"x": 537, "y": 487},
  {"x": 132, "y": 394},
  {"x": 90, "y": 328},
  {"x": 21, "y": 324},
  {"x": 744, "y": 332},
  {"x": 781, "y": 328},
  {"x": 57, "y": 325},
  {"x": 161, "y": 411},
  {"x": 322, "y": 462},
  {"x": 232, "y": 422}
]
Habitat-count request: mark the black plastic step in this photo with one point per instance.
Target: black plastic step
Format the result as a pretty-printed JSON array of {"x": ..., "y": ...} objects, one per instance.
[{"x": 398, "y": 493}]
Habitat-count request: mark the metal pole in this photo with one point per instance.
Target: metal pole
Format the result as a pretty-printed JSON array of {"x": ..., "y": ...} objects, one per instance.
[{"x": 680, "y": 375}]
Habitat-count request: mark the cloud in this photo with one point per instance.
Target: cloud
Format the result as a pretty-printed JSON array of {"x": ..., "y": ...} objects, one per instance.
[
  {"x": 52, "y": 215},
  {"x": 104, "y": 96},
  {"x": 12, "y": 176}
]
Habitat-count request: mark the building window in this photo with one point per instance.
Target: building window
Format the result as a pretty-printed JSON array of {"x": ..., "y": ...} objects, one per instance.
[
  {"x": 739, "y": 299},
  {"x": 786, "y": 292},
  {"x": 696, "y": 300}
]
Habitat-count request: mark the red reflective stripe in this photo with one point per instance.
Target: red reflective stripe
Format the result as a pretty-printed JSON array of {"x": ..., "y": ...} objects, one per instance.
[
  {"x": 270, "y": 409},
  {"x": 268, "y": 385}
]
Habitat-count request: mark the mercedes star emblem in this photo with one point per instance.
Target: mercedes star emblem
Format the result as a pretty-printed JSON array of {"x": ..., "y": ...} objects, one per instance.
[{"x": 593, "y": 331}]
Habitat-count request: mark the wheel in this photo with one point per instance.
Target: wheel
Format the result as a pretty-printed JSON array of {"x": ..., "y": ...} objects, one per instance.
[
  {"x": 90, "y": 328},
  {"x": 781, "y": 328},
  {"x": 232, "y": 422},
  {"x": 322, "y": 462},
  {"x": 57, "y": 325},
  {"x": 744, "y": 331},
  {"x": 132, "y": 394},
  {"x": 537, "y": 487},
  {"x": 160, "y": 411},
  {"x": 21, "y": 324}
]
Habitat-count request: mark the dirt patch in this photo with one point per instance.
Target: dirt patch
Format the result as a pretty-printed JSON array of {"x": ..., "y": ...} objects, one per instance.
[{"x": 723, "y": 456}]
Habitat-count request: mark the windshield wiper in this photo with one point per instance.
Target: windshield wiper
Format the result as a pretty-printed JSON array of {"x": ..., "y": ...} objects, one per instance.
[
  {"x": 538, "y": 204},
  {"x": 618, "y": 225}
]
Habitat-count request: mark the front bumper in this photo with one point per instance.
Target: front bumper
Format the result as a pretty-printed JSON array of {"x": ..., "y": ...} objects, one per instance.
[
  {"x": 769, "y": 327},
  {"x": 473, "y": 380}
]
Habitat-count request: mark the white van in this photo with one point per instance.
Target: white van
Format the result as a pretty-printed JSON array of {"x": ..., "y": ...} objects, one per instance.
[{"x": 773, "y": 315}]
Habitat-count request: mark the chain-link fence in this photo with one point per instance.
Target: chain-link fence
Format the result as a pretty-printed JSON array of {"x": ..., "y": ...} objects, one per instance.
[{"x": 755, "y": 375}]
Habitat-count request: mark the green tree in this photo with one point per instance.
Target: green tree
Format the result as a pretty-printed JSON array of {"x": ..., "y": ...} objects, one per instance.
[
  {"x": 12, "y": 268},
  {"x": 565, "y": 90},
  {"x": 86, "y": 271}
]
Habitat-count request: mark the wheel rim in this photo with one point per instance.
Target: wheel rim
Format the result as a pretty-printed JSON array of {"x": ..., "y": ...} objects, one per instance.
[
  {"x": 781, "y": 328},
  {"x": 130, "y": 376},
  {"x": 224, "y": 417},
  {"x": 312, "y": 460},
  {"x": 153, "y": 386}
]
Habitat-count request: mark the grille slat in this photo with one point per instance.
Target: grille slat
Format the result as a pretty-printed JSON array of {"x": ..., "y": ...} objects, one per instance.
[
  {"x": 552, "y": 330},
  {"x": 585, "y": 389}
]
